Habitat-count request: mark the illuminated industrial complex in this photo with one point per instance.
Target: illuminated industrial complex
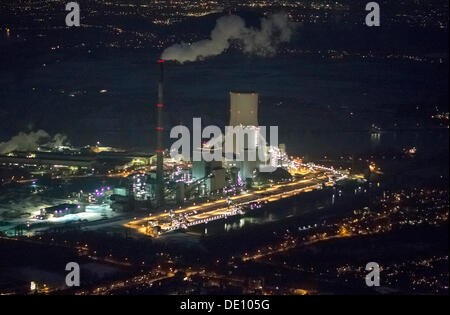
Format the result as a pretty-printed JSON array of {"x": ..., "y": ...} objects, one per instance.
[
  {"x": 177, "y": 193},
  {"x": 317, "y": 158},
  {"x": 219, "y": 189}
]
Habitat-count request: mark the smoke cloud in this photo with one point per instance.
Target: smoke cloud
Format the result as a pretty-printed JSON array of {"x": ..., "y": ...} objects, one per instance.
[
  {"x": 274, "y": 30},
  {"x": 58, "y": 140},
  {"x": 31, "y": 141}
]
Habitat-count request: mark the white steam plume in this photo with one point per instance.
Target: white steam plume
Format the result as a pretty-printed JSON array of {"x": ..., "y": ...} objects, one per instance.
[
  {"x": 58, "y": 140},
  {"x": 274, "y": 30},
  {"x": 31, "y": 141}
]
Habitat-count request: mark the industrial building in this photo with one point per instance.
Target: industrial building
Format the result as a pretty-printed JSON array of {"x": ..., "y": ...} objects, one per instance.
[
  {"x": 77, "y": 159},
  {"x": 243, "y": 109},
  {"x": 60, "y": 211},
  {"x": 204, "y": 178},
  {"x": 210, "y": 176},
  {"x": 244, "y": 113}
]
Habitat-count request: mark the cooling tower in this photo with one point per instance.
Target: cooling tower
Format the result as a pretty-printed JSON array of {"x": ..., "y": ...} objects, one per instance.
[{"x": 243, "y": 109}]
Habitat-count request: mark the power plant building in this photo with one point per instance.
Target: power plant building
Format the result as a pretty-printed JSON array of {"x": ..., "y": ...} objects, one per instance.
[
  {"x": 210, "y": 176},
  {"x": 243, "y": 109},
  {"x": 244, "y": 113}
]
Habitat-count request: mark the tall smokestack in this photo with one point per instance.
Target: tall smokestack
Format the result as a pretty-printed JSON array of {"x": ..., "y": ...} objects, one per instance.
[{"x": 159, "y": 138}]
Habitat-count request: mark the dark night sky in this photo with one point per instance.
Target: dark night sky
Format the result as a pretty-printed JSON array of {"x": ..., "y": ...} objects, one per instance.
[{"x": 58, "y": 91}]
